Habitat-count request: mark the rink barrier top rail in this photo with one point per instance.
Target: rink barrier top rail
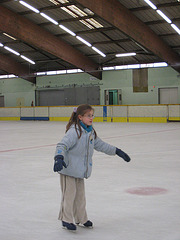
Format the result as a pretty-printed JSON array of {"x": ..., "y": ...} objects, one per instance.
[{"x": 103, "y": 113}]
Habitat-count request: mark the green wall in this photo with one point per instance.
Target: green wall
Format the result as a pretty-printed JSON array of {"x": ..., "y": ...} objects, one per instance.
[
  {"x": 158, "y": 77},
  {"x": 18, "y": 91}
]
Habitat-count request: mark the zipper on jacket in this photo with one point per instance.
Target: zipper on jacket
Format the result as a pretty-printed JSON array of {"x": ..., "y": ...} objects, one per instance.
[{"x": 86, "y": 173}]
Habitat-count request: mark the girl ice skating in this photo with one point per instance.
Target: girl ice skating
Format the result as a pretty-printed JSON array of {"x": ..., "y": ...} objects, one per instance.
[{"x": 73, "y": 160}]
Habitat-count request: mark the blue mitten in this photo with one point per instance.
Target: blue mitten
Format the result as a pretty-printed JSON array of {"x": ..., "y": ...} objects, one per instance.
[
  {"x": 123, "y": 155},
  {"x": 59, "y": 163}
]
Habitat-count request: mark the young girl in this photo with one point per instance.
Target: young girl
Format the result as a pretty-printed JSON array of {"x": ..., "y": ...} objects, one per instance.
[{"x": 73, "y": 160}]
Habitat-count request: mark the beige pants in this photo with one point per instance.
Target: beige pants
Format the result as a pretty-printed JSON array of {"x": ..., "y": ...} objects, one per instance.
[{"x": 73, "y": 204}]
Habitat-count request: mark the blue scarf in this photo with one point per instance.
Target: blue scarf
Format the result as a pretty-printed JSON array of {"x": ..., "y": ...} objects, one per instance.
[{"x": 87, "y": 128}]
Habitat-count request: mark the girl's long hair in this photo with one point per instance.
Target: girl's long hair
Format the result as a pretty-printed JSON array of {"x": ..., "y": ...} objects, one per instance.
[{"x": 81, "y": 110}]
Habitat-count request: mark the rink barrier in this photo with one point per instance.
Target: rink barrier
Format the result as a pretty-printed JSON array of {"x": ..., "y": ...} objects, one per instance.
[
  {"x": 174, "y": 119},
  {"x": 174, "y": 112},
  {"x": 34, "y": 118},
  {"x": 9, "y": 118},
  {"x": 118, "y": 113},
  {"x": 147, "y": 119}
]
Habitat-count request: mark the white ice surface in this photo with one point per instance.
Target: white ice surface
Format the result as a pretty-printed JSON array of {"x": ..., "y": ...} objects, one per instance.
[{"x": 30, "y": 192}]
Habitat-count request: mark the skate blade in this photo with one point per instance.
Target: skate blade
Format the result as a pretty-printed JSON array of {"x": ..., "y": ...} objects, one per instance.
[{"x": 81, "y": 225}]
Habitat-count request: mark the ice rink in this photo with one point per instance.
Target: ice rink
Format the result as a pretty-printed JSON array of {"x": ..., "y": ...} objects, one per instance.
[{"x": 139, "y": 200}]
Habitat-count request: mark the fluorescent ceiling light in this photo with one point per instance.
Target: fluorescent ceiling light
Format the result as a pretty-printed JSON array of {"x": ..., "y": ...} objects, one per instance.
[
  {"x": 61, "y": 72},
  {"x": 164, "y": 16},
  {"x": 72, "y": 71},
  {"x": 94, "y": 23},
  {"x": 12, "y": 76},
  {"x": 63, "y": 1},
  {"x": 40, "y": 73},
  {"x": 160, "y": 64},
  {"x": 55, "y": 2},
  {"x": 86, "y": 24},
  {"x": 143, "y": 65},
  {"x": 3, "y": 76},
  {"x": 108, "y": 68},
  {"x": 121, "y": 67},
  {"x": 134, "y": 66},
  {"x": 1, "y": 45},
  {"x": 98, "y": 51},
  {"x": 29, "y": 6},
  {"x": 9, "y": 36},
  {"x": 84, "y": 41},
  {"x": 78, "y": 11},
  {"x": 11, "y": 50},
  {"x": 69, "y": 12},
  {"x": 49, "y": 18},
  {"x": 79, "y": 70},
  {"x": 8, "y": 76},
  {"x": 125, "y": 54},
  {"x": 67, "y": 30},
  {"x": 27, "y": 59},
  {"x": 88, "y": 11},
  {"x": 51, "y": 73},
  {"x": 175, "y": 28},
  {"x": 150, "y": 65},
  {"x": 151, "y": 4}
]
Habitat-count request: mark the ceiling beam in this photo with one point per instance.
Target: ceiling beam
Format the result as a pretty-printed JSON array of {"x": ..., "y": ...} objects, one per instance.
[
  {"x": 122, "y": 18},
  {"x": 10, "y": 66},
  {"x": 22, "y": 28}
]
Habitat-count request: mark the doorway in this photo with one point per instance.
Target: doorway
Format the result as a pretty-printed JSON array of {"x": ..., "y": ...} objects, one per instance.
[
  {"x": 1, "y": 101},
  {"x": 168, "y": 95},
  {"x": 113, "y": 97}
]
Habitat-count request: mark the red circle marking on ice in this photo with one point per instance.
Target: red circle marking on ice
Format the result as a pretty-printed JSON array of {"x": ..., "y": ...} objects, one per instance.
[{"x": 146, "y": 190}]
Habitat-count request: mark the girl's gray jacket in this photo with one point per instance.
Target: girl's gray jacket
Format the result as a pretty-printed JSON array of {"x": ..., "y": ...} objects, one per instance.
[{"x": 78, "y": 152}]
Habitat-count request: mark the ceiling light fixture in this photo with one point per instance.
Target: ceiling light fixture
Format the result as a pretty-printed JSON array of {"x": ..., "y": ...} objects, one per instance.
[
  {"x": 29, "y": 6},
  {"x": 16, "y": 53},
  {"x": 51, "y": 72},
  {"x": 55, "y": 2},
  {"x": 125, "y": 54},
  {"x": 80, "y": 70},
  {"x": 49, "y": 18},
  {"x": 77, "y": 10},
  {"x": 61, "y": 72},
  {"x": 72, "y": 71},
  {"x": 63, "y": 1},
  {"x": 88, "y": 11},
  {"x": 98, "y": 51},
  {"x": 108, "y": 68},
  {"x": 164, "y": 16},
  {"x": 69, "y": 12},
  {"x": 151, "y": 4},
  {"x": 175, "y": 28},
  {"x": 11, "y": 50},
  {"x": 160, "y": 64},
  {"x": 67, "y": 30},
  {"x": 7, "y": 35},
  {"x": 27, "y": 59},
  {"x": 86, "y": 24},
  {"x": 93, "y": 22},
  {"x": 84, "y": 41}
]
